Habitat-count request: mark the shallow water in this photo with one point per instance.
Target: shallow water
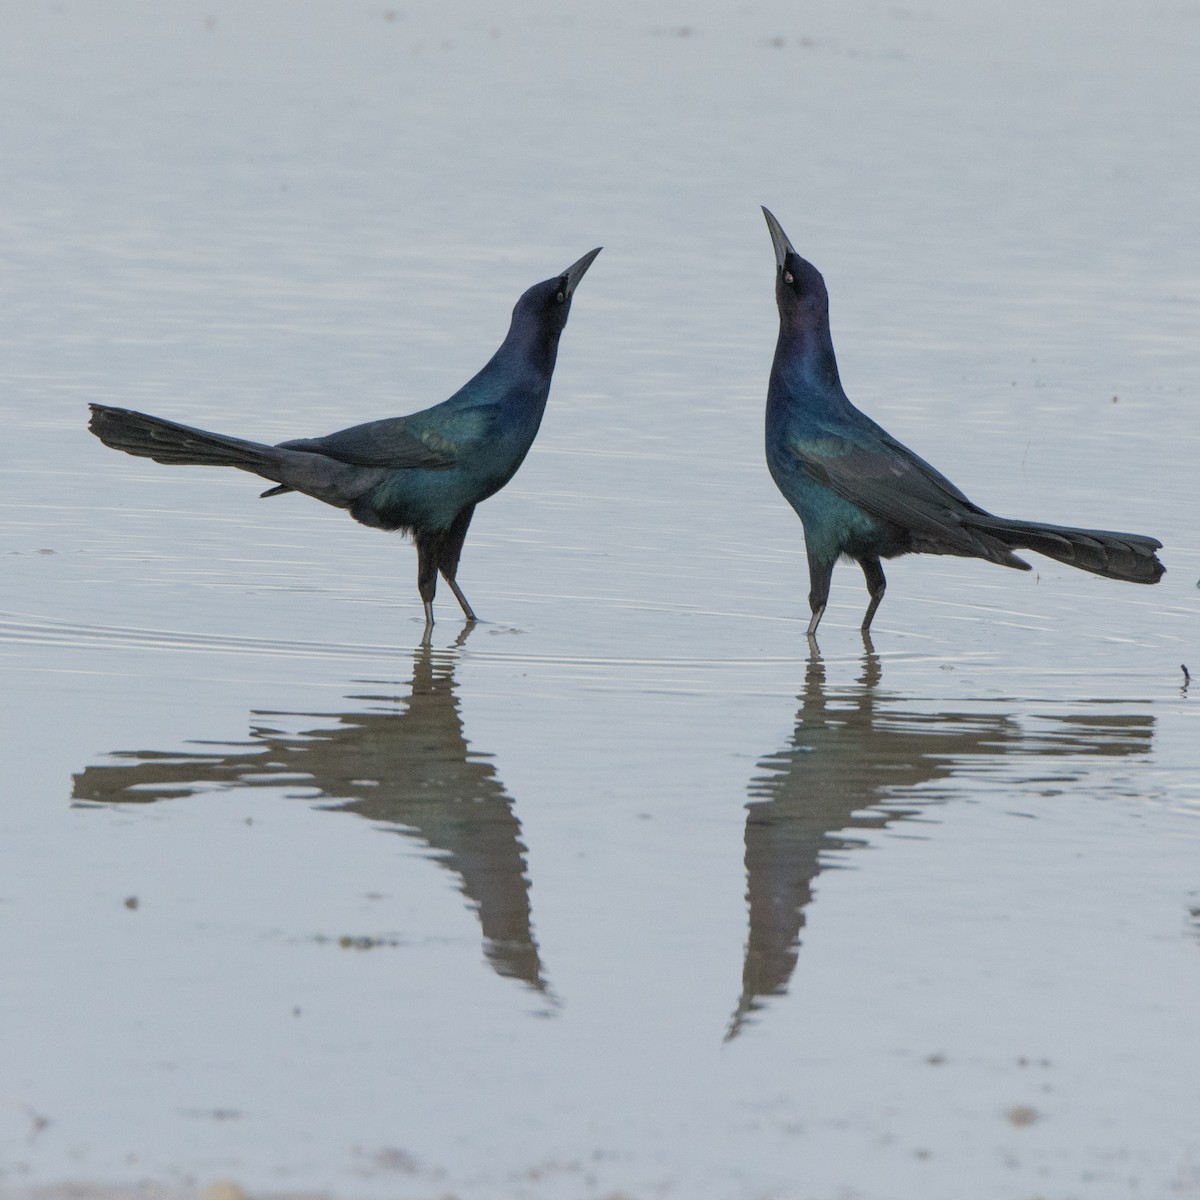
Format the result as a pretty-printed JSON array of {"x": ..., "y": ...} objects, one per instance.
[{"x": 666, "y": 905}]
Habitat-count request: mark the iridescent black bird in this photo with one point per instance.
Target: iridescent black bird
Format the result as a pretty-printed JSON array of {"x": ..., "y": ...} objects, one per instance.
[
  {"x": 422, "y": 474},
  {"x": 863, "y": 495}
]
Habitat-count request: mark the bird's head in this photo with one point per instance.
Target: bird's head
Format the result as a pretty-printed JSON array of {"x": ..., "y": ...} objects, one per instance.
[
  {"x": 799, "y": 286},
  {"x": 546, "y": 305}
]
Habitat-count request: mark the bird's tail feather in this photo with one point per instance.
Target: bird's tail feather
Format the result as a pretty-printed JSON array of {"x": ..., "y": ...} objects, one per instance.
[
  {"x": 328, "y": 479},
  {"x": 1127, "y": 556},
  {"x": 166, "y": 442}
]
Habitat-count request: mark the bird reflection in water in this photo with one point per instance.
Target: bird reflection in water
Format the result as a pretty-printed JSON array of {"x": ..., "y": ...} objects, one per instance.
[
  {"x": 860, "y": 760},
  {"x": 408, "y": 767}
]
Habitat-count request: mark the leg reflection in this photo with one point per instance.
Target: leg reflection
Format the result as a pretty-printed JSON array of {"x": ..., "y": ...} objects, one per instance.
[
  {"x": 860, "y": 759},
  {"x": 405, "y": 765}
]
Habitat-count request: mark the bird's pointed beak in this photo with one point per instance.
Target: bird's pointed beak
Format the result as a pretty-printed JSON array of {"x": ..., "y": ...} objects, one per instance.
[
  {"x": 575, "y": 272},
  {"x": 778, "y": 238}
]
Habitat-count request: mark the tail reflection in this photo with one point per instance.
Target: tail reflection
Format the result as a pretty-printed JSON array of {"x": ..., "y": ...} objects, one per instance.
[
  {"x": 858, "y": 760},
  {"x": 406, "y": 765}
]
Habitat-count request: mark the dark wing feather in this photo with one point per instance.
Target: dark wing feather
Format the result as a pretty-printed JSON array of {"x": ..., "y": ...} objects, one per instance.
[
  {"x": 889, "y": 481},
  {"x": 388, "y": 443}
]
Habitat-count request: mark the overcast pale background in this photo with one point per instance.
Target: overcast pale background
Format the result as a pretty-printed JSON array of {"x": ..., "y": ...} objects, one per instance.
[{"x": 624, "y": 894}]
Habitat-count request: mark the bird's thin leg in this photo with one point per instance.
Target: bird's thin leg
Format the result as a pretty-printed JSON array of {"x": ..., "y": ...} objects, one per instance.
[
  {"x": 451, "y": 551},
  {"x": 876, "y": 586},
  {"x": 462, "y": 600},
  {"x": 427, "y": 572},
  {"x": 820, "y": 573}
]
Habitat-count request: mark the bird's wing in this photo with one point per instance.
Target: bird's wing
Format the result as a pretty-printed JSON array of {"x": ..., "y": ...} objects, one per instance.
[
  {"x": 389, "y": 443},
  {"x": 454, "y": 429},
  {"x": 434, "y": 439},
  {"x": 887, "y": 480}
]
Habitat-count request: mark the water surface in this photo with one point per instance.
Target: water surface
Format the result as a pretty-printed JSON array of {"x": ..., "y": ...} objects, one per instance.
[{"x": 627, "y": 891}]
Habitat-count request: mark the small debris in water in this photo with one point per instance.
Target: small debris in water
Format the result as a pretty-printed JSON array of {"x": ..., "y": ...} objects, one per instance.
[
  {"x": 224, "y": 1189},
  {"x": 38, "y": 1122},
  {"x": 1021, "y": 1116},
  {"x": 363, "y": 941},
  {"x": 391, "y": 1159}
]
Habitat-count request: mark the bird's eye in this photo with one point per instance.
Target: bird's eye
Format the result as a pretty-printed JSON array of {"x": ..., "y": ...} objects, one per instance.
[
  {"x": 560, "y": 297},
  {"x": 788, "y": 277}
]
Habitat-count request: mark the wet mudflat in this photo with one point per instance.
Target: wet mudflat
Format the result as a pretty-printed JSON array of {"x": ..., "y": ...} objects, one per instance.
[{"x": 625, "y": 891}]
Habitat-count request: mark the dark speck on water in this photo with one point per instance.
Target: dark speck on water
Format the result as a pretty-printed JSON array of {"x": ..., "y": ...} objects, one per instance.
[{"x": 364, "y": 942}]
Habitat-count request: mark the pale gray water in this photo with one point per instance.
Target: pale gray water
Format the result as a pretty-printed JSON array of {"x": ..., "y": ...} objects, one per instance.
[{"x": 622, "y": 895}]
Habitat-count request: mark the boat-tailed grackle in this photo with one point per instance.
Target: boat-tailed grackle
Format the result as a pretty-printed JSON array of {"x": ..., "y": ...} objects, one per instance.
[
  {"x": 862, "y": 494},
  {"x": 422, "y": 474}
]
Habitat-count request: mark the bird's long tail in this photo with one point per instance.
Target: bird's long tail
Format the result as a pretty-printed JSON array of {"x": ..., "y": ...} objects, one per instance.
[
  {"x": 1127, "y": 556},
  {"x": 319, "y": 475},
  {"x": 166, "y": 442}
]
